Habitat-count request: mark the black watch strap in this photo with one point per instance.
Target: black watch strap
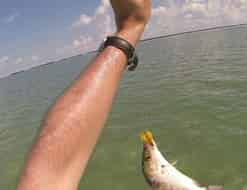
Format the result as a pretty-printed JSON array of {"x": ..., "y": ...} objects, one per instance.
[{"x": 125, "y": 46}]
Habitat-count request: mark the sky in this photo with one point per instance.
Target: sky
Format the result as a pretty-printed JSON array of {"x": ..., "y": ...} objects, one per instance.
[{"x": 36, "y": 32}]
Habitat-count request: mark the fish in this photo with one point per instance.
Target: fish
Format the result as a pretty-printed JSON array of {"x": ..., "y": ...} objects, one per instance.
[{"x": 161, "y": 174}]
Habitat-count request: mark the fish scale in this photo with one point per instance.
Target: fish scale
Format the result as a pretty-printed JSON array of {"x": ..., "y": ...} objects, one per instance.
[{"x": 160, "y": 174}]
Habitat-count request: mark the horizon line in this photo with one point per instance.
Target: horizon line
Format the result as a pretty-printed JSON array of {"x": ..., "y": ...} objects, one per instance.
[{"x": 224, "y": 27}]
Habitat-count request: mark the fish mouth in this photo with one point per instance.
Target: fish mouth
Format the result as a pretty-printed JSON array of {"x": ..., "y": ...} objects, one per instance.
[{"x": 147, "y": 138}]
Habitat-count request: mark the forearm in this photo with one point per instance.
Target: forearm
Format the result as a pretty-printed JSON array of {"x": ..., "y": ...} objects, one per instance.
[{"x": 72, "y": 126}]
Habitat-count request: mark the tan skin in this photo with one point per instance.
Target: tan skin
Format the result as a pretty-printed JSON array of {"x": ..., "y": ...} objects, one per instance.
[{"x": 72, "y": 127}]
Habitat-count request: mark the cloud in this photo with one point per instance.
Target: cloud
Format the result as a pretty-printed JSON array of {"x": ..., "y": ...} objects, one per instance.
[
  {"x": 83, "y": 20},
  {"x": 35, "y": 58},
  {"x": 196, "y": 8},
  {"x": 11, "y": 17},
  {"x": 101, "y": 10},
  {"x": 168, "y": 16},
  {"x": 18, "y": 60},
  {"x": 95, "y": 28},
  {"x": 243, "y": 4},
  {"x": 77, "y": 46},
  {"x": 158, "y": 11},
  {"x": 82, "y": 42},
  {"x": 4, "y": 59},
  {"x": 183, "y": 15}
]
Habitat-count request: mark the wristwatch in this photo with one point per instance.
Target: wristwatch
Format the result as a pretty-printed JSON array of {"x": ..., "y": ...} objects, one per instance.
[{"x": 123, "y": 45}]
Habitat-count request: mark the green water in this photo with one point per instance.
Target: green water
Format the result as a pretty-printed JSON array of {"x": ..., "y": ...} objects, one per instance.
[{"x": 189, "y": 90}]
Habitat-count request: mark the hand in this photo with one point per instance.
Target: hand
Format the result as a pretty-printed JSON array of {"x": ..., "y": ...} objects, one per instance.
[
  {"x": 131, "y": 16},
  {"x": 128, "y": 12}
]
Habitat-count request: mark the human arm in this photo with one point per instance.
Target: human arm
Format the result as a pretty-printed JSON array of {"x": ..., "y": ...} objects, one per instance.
[{"x": 72, "y": 126}]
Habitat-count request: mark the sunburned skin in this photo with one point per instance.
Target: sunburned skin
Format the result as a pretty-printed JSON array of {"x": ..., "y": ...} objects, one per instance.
[
  {"x": 73, "y": 124},
  {"x": 160, "y": 174}
]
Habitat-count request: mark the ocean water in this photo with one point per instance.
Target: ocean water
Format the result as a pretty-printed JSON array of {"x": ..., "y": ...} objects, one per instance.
[{"x": 189, "y": 90}]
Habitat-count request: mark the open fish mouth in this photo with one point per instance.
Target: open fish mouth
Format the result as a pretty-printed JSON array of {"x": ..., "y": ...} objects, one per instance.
[
  {"x": 147, "y": 138},
  {"x": 162, "y": 175}
]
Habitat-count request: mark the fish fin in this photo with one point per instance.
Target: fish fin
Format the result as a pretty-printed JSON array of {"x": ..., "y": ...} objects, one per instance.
[
  {"x": 174, "y": 163},
  {"x": 215, "y": 187}
]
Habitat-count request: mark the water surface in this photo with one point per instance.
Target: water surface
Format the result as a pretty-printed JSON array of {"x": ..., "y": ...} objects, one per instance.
[{"x": 189, "y": 90}]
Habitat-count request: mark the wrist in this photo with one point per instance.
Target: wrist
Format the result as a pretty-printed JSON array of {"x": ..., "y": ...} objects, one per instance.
[
  {"x": 131, "y": 33},
  {"x": 123, "y": 45}
]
